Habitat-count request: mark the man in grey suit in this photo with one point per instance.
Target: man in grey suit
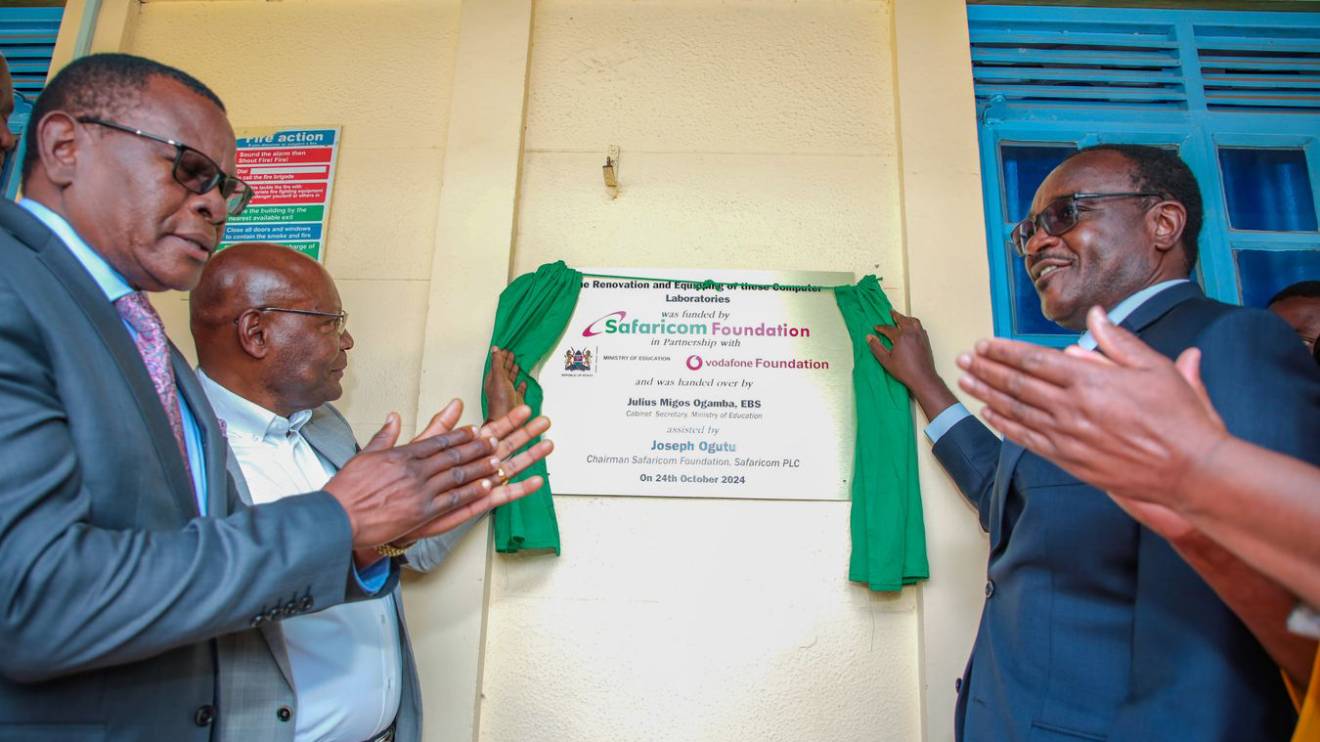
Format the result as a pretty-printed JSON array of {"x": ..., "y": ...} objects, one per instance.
[
  {"x": 272, "y": 345},
  {"x": 127, "y": 551}
]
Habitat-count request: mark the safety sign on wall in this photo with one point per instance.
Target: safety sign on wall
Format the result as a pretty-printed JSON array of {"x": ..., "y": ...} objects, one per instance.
[{"x": 292, "y": 174}]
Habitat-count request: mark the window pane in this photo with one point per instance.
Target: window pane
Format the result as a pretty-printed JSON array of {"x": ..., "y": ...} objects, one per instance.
[
  {"x": 1025, "y": 166},
  {"x": 1268, "y": 189},
  {"x": 1026, "y": 306},
  {"x": 9, "y": 173},
  {"x": 1262, "y": 273}
]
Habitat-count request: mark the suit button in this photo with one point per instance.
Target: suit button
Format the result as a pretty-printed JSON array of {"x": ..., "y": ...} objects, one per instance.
[
  {"x": 204, "y": 715},
  {"x": 957, "y": 686},
  {"x": 306, "y": 603},
  {"x": 284, "y": 714},
  {"x": 989, "y": 588}
]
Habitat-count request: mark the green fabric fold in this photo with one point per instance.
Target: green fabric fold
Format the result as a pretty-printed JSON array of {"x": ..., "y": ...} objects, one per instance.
[
  {"x": 532, "y": 314},
  {"x": 888, "y": 531}
]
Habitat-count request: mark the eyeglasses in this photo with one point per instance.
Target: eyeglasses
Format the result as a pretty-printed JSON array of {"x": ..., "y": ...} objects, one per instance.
[
  {"x": 340, "y": 317},
  {"x": 192, "y": 169},
  {"x": 1059, "y": 216}
]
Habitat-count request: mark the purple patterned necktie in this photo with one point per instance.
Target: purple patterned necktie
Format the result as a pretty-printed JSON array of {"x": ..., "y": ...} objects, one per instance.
[{"x": 155, "y": 351}]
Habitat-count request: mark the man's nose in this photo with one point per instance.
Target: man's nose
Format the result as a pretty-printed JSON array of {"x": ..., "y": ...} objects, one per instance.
[
  {"x": 1038, "y": 241},
  {"x": 211, "y": 206}
]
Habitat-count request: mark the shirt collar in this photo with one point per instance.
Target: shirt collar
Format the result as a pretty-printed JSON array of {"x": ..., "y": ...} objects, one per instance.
[
  {"x": 111, "y": 282},
  {"x": 1129, "y": 305},
  {"x": 246, "y": 418}
]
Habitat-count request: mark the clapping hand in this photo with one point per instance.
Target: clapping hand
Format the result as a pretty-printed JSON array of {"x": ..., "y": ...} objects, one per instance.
[{"x": 438, "y": 480}]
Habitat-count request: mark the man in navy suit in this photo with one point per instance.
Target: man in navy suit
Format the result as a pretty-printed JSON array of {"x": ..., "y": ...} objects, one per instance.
[{"x": 1093, "y": 626}]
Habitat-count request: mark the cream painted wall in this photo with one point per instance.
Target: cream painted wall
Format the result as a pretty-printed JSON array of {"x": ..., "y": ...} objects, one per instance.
[{"x": 779, "y": 134}]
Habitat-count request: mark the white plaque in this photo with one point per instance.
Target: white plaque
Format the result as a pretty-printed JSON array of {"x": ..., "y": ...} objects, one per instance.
[{"x": 672, "y": 389}]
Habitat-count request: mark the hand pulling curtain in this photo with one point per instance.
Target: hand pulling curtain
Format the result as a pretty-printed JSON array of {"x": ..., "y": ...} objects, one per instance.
[
  {"x": 888, "y": 531},
  {"x": 532, "y": 314}
]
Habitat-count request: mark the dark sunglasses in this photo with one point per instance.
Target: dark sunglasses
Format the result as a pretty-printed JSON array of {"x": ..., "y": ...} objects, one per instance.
[
  {"x": 1059, "y": 216},
  {"x": 192, "y": 169},
  {"x": 340, "y": 317}
]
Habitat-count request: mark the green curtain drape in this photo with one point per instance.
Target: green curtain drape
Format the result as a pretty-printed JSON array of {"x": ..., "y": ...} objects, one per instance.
[
  {"x": 888, "y": 532},
  {"x": 532, "y": 314}
]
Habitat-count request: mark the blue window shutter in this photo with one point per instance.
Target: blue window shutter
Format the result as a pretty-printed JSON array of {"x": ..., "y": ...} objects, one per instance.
[
  {"x": 27, "y": 39},
  {"x": 1259, "y": 67},
  {"x": 1067, "y": 63}
]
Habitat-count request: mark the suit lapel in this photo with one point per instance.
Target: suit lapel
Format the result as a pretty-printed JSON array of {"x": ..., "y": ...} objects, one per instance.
[
  {"x": 279, "y": 649},
  {"x": 326, "y": 432},
  {"x": 214, "y": 449},
  {"x": 1159, "y": 305},
  {"x": 228, "y": 464},
  {"x": 105, "y": 321},
  {"x": 236, "y": 472},
  {"x": 1010, "y": 453}
]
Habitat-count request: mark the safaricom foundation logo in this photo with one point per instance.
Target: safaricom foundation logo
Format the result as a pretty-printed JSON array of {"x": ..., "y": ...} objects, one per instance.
[
  {"x": 617, "y": 323},
  {"x": 611, "y": 320}
]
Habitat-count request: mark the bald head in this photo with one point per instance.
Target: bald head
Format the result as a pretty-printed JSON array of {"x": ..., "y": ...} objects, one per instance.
[
  {"x": 250, "y": 275},
  {"x": 264, "y": 325}
]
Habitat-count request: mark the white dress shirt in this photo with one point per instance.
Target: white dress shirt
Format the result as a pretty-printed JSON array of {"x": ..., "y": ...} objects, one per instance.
[{"x": 346, "y": 662}]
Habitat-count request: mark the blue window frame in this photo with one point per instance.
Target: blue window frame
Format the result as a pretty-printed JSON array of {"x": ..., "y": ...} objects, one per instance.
[
  {"x": 27, "y": 39},
  {"x": 1237, "y": 94}
]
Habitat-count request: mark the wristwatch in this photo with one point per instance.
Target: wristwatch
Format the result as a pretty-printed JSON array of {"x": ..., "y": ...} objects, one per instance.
[{"x": 391, "y": 550}]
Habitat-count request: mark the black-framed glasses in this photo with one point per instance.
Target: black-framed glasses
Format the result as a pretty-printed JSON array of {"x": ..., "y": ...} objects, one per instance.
[
  {"x": 1061, "y": 215},
  {"x": 192, "y": 169},
  {"x": 340, "y": 317}
]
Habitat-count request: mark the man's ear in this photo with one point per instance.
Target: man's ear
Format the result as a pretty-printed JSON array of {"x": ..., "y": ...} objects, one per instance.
[
  {"x": 1166, "y": 221},
  {"x": 253, "y": 334},
  {"x": 57, "y": 147}
]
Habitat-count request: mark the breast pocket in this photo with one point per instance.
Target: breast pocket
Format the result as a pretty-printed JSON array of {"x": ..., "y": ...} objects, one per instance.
[{"x": 1041, "y": 732}]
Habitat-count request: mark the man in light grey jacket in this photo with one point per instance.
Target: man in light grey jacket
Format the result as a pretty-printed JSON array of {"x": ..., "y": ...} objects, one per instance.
[{"x": 273, "y": 344}]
